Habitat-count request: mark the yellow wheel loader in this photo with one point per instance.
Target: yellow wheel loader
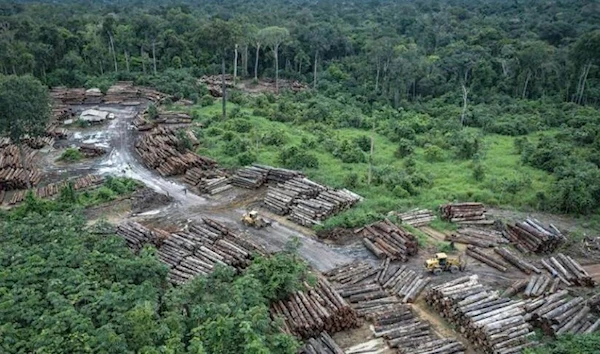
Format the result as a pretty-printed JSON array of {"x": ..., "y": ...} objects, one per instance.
[
  {"x": 441, "y": 262},
  {"x": 252, "y": 219}
]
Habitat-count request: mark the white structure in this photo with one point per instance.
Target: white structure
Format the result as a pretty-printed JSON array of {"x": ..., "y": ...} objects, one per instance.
[{"x": 94, "y": 116}]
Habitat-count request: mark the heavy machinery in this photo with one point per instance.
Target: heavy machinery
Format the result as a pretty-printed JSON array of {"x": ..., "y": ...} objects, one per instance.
[
  {"x": 252, "y": 219},
  {"x": 441, "y": 262}
]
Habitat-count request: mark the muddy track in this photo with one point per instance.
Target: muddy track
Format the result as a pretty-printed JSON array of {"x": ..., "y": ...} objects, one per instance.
[{"x": 188, "y": 207}]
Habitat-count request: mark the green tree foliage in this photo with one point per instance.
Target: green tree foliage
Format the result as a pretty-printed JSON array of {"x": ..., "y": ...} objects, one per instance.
[
  {"x": 67, "y": 289},
  {"x": 295, "y": 158},
  {"x": 569, "y": 344}
]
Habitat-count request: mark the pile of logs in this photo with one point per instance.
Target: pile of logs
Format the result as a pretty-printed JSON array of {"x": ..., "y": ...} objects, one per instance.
[
  {"x": 53, "y": 189},
  {"x": 310, "y": 212},
  {"x": 559, "y": 314},
  {"x": 517, "y": 261},
  {"x": 407, "y": 284},
  {"x": 90, "y": 151},
  {"x": 531, "y": 236},
  {"x": 321, "y": 344},
  {"x": 280, "y": 198},
  {"x": 416, "y": 217},
  {"x": 385, "y": 239},
  {"x": 14, "y": 172},
  {"x": 123, "y": 92},
  {"x": 539, "y": 285},
  {"x": 352, "y": 273},
  {"x": 465, "y": 213},
  {"x": 482, "y": 256},
  {"x": 161, "y": 149},
  {"x": 568, "y": 270},
  {"x": 214, "y": 84},
  {"x": 173, "y": 118},
  {"x": 195, "y": 251},
  {"x": 250, "y": 177},
  {"x": 372, "y": 346},
  {"x": 320, "y": 308},
  {"x": 492, "y": 323},
  {"x": 207, "y": 182},
  {"x": 479, "y": 237},
  {"x": 402, "y": 330}
]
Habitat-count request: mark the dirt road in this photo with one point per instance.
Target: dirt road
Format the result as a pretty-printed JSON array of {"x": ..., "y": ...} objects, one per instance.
[{"x": 119, "y": 135}]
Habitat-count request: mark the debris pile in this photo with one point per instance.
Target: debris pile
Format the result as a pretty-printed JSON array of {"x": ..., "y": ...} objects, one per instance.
[
  {"x": 320, "y": 308},
  {"x": 385, "y": 239},
  {"x": 416, "y": 217},
  {"x": 90, "y": 151},
  {"x": 482, "y": 256},
  {"x": 53, "y": 189},
  {"x": 517, "y": 261},
  {"x": 465, "y": 213},
  {"x": 492, "y": 323},
  {"x": 479, "y": 237},
  {"x": 214, "y": 84},
  {"x": 568, "y": 270},
  {"x": 530, "y": 235},
  {"x": 559, "y": 314},
  {"x": 321, "y": 344},
  {"x": 192, "y": 252},
  {"x": 161, "y": 149}
]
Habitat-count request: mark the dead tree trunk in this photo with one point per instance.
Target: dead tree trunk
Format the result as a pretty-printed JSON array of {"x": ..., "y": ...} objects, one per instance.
[
  {"x": 235, "y": 59},
  {"x": 465, "y": 100},
  {"x": 315, "y": 70},
  {"x": 256, "y": 62},
  {"x": 114, "y": 53},
  {"x": 154, "y": 55},
  {"x": 223, "y": 86}
]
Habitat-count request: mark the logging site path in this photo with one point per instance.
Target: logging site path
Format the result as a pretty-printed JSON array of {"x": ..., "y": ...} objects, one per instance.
[{"x": 120, "y": 135}]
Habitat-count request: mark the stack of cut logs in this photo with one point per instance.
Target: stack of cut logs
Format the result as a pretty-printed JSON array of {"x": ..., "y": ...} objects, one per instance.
[
  {"x": 594, "y": 302},
  {"x": 485, "y": 257},
  {"x": 477, "y": 236},
  {"x": 416, "y": 217},
  {"x": 539, "y": 285},
  {"x": 385, "y": 239},
  {"x": 517, "y": 261},
  {"x": 280, "y": 198},
  {"x": 559, "y": 314},
  {"x": 214, "y": 84},
  {"x": 530, "y": 235},
  {"x": 14, "y": 172},
  {"x": 195, "y": 251},
  {"x": 568, "y": 270},
  {"x": 90, "y": 151},
  {"x": 407, "y": 284},
  {"x": 123, "y": 92},
  {"x": 173, "y": 118},
  {"x": 53, "y": 189},
  {"x": 465, "y": 213},
  {"x": 208, "y": 182},
  {"x": 402, "y": 330},
  {"x": 320, "y": 308},
  {"x": 321, "y": 344},
  {"x": 492, "y": 323},
  {"x": 250, "y": 177},
  {"x": 310, "y": 212},
  {"x": 160, "y": 150}
]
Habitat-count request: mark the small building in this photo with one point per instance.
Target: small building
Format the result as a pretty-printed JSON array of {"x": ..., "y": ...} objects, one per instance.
[{"x": 95, "y": 116}]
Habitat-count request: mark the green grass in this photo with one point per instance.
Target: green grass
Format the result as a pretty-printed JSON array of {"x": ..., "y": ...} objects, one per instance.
[
  {"x": 71, "y": 155},
  {"x": 451, "y": 179}
]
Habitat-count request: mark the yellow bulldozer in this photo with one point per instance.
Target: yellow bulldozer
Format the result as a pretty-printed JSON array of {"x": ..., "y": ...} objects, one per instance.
[
  {"x": 441, "y": 262},
  {"x": 254, "y": 220}
]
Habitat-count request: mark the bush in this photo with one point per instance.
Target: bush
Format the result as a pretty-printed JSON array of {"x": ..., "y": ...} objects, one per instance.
[
  {"x": 295, "y": 158},
  {"x": 236, "y": 146},
  {"x": 71, "y": 155},
  {"x": 275, "y": 137},
  {"x": 207, "y": 100},
  {"x": 246, "y": 158},
  {"x": 152, "y": 111},
  {"x": 433, "y": 153},
  {"x": 478, "y": 172},
  {"x": 405, "y": 148},
  {"x": 351, "y": 180},
  {"x": 363, "y": 142},
  {"x": 466, "y": 144},
  {"x": 349, "y": 153}
]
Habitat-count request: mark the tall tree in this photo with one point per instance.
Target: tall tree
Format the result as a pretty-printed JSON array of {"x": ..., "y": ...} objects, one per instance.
[
  {"x": 24, "y": 110},
  {"x": 222, "y": 37},
  {"x": 586, "y": 53},
  {"x": 273, "y": 37}
]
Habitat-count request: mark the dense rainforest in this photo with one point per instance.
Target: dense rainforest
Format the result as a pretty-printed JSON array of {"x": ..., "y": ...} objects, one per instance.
[{"x": 409, "y": 103}]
